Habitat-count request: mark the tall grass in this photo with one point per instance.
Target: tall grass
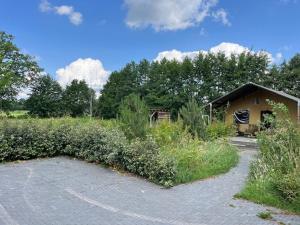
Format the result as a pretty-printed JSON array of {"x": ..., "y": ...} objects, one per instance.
[
  {"x": 274, "y": 177},
  {"x": 194, "y": 159}
]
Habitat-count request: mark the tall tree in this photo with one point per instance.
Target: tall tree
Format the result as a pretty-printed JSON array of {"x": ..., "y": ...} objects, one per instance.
[
  {"x": 45, "y": 99},
  {"x": 119, "y": 85},
  {"x": 77, "y": 97},
  {"x": 170, "y": 84},
  {"x": 17, "y": 70},
  {"x": 289, "y": 80}
]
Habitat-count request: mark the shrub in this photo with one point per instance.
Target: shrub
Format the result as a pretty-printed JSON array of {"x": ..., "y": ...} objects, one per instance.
[
  {"x": 144, "y": 158},
  {"x": 192, "y": 117},
  {"x": 219, "y": 129},
  {"x": 278, "y": 162},
  {"x": 166, "y": 133},
  {"x": 134, "y": 117},
  {"x": 32, "y": 138}
]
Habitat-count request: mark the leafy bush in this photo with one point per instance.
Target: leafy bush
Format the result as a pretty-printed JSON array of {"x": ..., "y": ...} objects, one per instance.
[
  {"x": 166, "y": 133},
  {"x": 32, "y": 138},
  {"x": 219, "y": 129},
  {"x": 192, "y": 117},
  {"x": 278, "y": 164},
  {"x": 134, "y": 117},
  {"x": 144, "y": 158},
  {"x": 3, "y": 115}
]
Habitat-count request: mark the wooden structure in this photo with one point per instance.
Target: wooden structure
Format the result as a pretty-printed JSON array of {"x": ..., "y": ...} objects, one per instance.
[
  {"x": 159, "y": 115},
  {"x": 247, "y": 105}
]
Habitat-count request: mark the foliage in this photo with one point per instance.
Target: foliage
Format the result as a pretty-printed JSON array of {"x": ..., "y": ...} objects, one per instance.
[
  {"x": 17, "y": 70},
  {"x": 196, "y": 160},
  {"x": 193, "y": 120},
  {"x": 76, "y": 98},
  {"x": 84, "y": 139},
  {"x": 134, "y": 117},
  {"x": 144, "y": 158},
  {"x": 264, "y": 192},
  {"x": 285, "y": 76},
  {"x": 45, "y": 99},
  {"x": 265, "y": 215},
  {"x": 278, "y": 164},
  {"x": 193, "y": 158},
  {"x": 166, "y": 133},
  {"x": 170, "y": 84},
  {"x": 219, "y": 129}
]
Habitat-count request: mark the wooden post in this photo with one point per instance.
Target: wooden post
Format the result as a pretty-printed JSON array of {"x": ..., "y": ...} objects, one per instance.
[
  {"x": 210, "y": 112},
  {"x": 298, "y": 112},
  {"x": 150, "y": 117}
]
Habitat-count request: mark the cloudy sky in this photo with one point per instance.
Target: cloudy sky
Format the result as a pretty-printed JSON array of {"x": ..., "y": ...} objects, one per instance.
[{"x": 89, "y": 39}]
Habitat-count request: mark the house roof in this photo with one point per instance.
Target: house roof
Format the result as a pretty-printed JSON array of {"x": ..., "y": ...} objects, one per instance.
[{"x": 246, "y": 89}]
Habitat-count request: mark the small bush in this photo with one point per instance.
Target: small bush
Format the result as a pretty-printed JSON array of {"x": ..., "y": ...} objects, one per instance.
[
  {"x": 166, "y": 133},
  {"x": 134, "y": 117},
  {"x": 144, "y": 158},
  {"x": 219, "y": 129}
]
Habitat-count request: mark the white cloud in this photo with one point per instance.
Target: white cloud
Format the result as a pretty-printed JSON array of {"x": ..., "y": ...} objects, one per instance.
[
  {"x": 176, "y": 55},
  {"x": 169, "y": 14},
  {"x": 221, "y": 15},
  {"x": 90, "y": 70},
  {"x": 227, "y": 48},
  {"x": 63, "y": 10},
  {"x": 45, "y": 6}
]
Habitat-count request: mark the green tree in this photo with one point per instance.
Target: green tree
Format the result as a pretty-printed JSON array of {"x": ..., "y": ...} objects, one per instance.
[
  {"x": 45, "y": 99},
  {"x": 17, "y": 70},
  {"x": 134, "y": 116},
  {"x": 77, "y": 97},
  {"x": 193, "y": 120},
  {"x": 119, "y": 85},
  {"x": 170, "y": 84},
  {"x": 289, "y": 76}
]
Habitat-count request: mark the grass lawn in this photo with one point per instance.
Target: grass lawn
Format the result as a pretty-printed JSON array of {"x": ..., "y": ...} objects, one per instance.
[
  {"x": 263, "y": 192},
  {"x": 203, "y": 161}
]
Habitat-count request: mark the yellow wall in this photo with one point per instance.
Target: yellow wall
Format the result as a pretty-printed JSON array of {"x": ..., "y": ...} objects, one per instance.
[{"x": 248, "y": 102}]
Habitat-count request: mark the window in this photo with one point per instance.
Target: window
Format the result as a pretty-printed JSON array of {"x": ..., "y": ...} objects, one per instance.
[
  {"x": 256, "y": 101},
  {"x": 241, "y": 116}
]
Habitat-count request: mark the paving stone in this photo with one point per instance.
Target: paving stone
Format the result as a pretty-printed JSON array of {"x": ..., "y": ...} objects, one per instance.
[{"x": 63, "y": 191}]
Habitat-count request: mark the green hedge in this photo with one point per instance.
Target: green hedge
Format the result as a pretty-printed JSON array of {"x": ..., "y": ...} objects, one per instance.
[{"x": 29, "y": 139}]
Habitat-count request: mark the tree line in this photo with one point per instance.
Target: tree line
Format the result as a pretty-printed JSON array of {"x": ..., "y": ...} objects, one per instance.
[
  {"x": 162, "y": 84},
  {"x": 170, "y": 84}
]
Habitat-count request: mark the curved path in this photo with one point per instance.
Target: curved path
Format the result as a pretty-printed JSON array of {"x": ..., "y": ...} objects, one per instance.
[{"x": 62, "y": 191}]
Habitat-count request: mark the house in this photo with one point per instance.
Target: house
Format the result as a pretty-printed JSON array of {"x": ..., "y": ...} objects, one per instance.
[{"x": 247, "y": 105}]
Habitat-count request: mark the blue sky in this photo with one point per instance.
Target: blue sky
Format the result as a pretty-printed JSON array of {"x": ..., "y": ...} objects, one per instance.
[{"x": 96, "y": 37}]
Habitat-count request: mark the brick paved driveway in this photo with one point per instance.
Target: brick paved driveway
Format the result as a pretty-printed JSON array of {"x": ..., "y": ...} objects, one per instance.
[{"x": 70, "y": 192}]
